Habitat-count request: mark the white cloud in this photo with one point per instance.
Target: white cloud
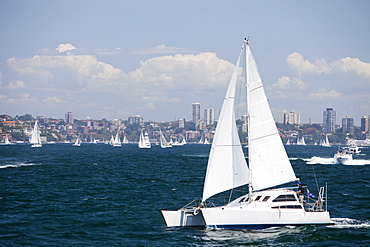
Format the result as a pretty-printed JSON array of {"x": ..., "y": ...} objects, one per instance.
[
  {"x": 320, "y": 66},
  {"x": 185, "y": 72},
  {"x": 65, "y": 47},
  {"x": 54, "y": 99},
  {"x": 301, "y": 66},
  {"x": 325, "y": 95},
  {"x": 160, "y": 99},
  {"x": 86, "y": 67},
  {"x": 148, "y": 106},
  {"x": 16, "y": 85},
  {"x": 162, "y": 49},
  {"x": 286, "y": 83},
  {"x": 355, "y": 65}
]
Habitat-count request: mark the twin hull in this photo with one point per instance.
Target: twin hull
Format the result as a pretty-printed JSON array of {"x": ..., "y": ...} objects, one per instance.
[
  {"x": 263, "y": 209},
  {"x": 220, "y": 217}
]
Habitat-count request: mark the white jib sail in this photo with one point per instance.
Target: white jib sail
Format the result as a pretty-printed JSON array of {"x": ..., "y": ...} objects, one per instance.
[
  {"x": 227, "y": 167},
  {"x": 268, "y": 160}
]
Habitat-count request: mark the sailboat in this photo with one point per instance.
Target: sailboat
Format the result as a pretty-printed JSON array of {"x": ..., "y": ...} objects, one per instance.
[
  {"x": 116, "y": 141},
  {"x": 144, "y": 140},
  {"x": 164, "y": 142},
  {"x": 7, "y": 142},
  {"x": 267, "y": 202},
  {"x": 301, "y": 141},
  {"x": 125, "y": 141},
  {"x": 77, "y": 142},
  {"x": 35, "y": 137},
  {"x": 325, "y": 142}
]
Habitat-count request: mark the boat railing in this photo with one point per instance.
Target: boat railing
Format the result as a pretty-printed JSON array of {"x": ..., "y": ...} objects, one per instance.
[{"x": 318, "y": 205}]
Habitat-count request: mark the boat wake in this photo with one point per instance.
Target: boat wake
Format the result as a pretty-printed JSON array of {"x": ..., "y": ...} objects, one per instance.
[
  {"x": 330, "y": 161},
  {"x": 3, "y": 166},
  {"x": 349, "y": 223}
]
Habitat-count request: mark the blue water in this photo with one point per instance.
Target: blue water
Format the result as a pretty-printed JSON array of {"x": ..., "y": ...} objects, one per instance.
[{"x": 97, "y": 195}]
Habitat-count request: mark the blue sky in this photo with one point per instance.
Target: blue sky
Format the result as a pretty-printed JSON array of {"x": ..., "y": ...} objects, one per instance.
[{"x": 115, "y": 59}]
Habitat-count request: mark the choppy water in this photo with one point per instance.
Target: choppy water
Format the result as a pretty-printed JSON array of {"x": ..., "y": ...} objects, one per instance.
[{"x": 97, "y": 195}]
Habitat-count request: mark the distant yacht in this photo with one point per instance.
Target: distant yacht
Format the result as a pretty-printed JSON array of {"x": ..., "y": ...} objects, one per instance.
[
  {"x": 164, "y": 143},
  {"x": 35, "y": 138},
  {"x": 144, "y": 140}
]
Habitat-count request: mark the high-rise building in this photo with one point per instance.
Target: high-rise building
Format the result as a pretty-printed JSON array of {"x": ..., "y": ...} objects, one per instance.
[
  {"x": 329, "y": 120},
  {"x": 136, "y": 120},
  {"x": 69, "y": 118},
  {"x": 181, "y": 123},
  {"x": 294, "y": 118},
  {"x": 209, "y": 116},
  {"x": 365, "y": 124},
  {"x": 284, "y": 117},
  {"x": 290, "y": 118},
  {"x": 347, "y": 125},
  {"x": 196, "y": 112}
]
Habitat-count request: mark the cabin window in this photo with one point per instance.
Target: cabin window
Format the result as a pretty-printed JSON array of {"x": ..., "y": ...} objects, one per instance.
[
  {"x": 241, "y": 200},
  {"x": 266, "y": 198},
  {"x": 285, "y": 198},
  {"x": 288, "y": 207},
  {"x": 257, "y": 198}
]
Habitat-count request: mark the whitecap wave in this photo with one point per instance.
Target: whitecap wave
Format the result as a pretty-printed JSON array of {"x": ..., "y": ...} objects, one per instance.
[
  {"x": 330, "y": 161},
  {"x": 349, "y": 223},
  {"x": 3, "y": 166}
]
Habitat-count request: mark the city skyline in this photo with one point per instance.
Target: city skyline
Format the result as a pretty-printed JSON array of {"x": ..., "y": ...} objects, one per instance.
[{"x": 109, "y": 59}]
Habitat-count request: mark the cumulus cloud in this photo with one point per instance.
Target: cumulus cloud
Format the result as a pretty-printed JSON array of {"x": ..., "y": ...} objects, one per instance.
[
  {"x": 86, "y": 67},
  {"x": 299, "y": 64},
  {"x": 302, "y": 66},
  {"x": 354, "y": 65},
  {"x": 16, "y": 85},
  {"x": 65, "y": 47},
  {"x": 285, "y": 82},
  {"x": 186, "y": 72}
]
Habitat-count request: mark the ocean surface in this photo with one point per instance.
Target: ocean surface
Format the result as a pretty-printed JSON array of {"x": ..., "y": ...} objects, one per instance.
[{"x": 98, "y": 195}]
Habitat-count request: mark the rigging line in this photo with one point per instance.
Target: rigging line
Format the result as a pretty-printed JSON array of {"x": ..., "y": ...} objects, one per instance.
[{"x": 314, "y": 173}]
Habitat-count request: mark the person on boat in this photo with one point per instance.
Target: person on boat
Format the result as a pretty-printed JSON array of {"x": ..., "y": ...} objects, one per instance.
[{"x": 300, "y": 191}]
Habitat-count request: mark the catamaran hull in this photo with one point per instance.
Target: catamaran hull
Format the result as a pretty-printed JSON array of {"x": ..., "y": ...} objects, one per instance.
[
  {"x": 182, "y": 218},
  {"x": 240, "y": 218}
]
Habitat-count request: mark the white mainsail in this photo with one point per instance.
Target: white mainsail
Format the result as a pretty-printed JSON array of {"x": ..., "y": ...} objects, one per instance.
[
  {"x": 268, "y": 160},
  {"x": 35, "y": 138},
  {"x": 116, "y": 140},
  {"x": 164, "y": 142},
  {"x": 77, "y": 142},
  {"x": 227, "y": 167},
  {"x": 144, "y": 140}
]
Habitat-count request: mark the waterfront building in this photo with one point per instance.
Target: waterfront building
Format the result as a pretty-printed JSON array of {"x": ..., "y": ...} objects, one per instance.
[
  {"x": 290, "y": 118},
  {"x": 137, "y": 119},
  {"x": 196, "y": 112},
  {"x": 347, "y": 125},
  {"x": 69, "y": 118},
  {"x": 329, "y": 120},
  {"x": 209, "y": 116},
  {"x": 365, "y": 124}
]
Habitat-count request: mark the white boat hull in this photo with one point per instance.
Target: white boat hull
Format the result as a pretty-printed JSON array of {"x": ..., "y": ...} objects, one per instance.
[
  {"x": 181, "y": 218},
  {"x": 243, "y": 218}
]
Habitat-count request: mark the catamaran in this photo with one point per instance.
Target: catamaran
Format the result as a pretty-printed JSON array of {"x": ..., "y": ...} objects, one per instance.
[
  {"x": 35, "y": 137},
  {"x": 267, "y": 203}
]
